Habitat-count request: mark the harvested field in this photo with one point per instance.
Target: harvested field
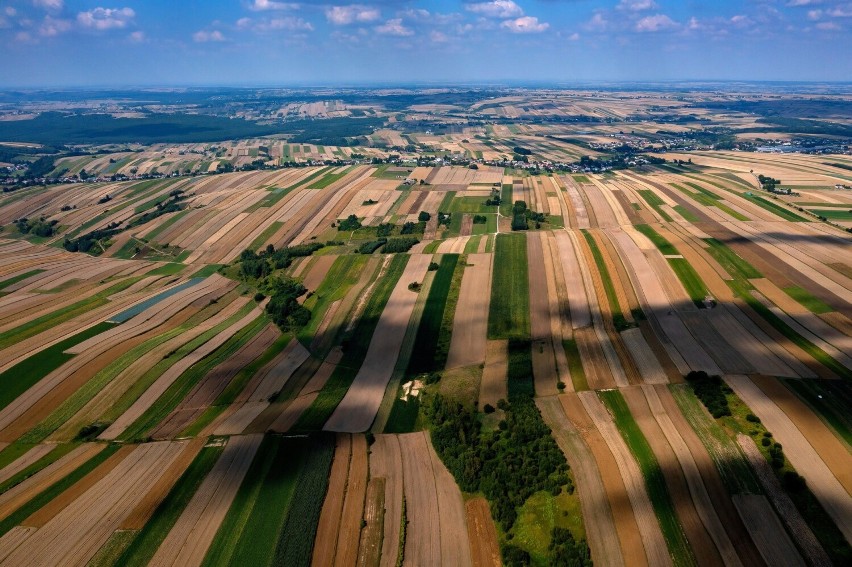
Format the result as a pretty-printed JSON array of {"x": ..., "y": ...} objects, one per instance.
[
  {"x": 768, "y": 533},
  {"x": 470, "y": 324},
  {"x": 484, "y": 547}
]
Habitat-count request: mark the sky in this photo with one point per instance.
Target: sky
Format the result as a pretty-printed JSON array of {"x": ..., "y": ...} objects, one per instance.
[{"x": 46, "y": 43}]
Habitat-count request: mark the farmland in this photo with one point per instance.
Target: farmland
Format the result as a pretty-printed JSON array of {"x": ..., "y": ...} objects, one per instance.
[{"x": 308, "y": 358}]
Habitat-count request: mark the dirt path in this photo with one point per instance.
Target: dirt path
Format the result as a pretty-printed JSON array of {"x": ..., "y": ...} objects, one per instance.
[
  {"x": 470, "y": 324},
  {"x": 807, "y": 462},
  {"x": 357, "y": 410},
  {"x": 601, "y": 532}
]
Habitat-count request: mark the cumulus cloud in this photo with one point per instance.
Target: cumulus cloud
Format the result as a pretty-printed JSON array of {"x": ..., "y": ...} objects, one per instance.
[
  {"x": 394, "y": 27},
  {"x": 597, "y": 23},
  {"x": 288, "y": 23},
  {"x": 137, "y": 37},
  {"x": 207, "y": 36},
  {"x": 803, "y": 2},
  {"x": 106, "y": 18},
  {"x": 525, "y": 24},
  {"x": 495, "y": 9},
  {"x": 344, "y": 15},
  {"x": 49, "y": 4},
  {"x": 658, "y": 22},
  {"x": 636, "y": 5},
  {"x": 438, "y": 37},
  {"x": 263, "y": 5},
  {"x": 51, "y": 27},
  {"x": 828, "y": 26}
]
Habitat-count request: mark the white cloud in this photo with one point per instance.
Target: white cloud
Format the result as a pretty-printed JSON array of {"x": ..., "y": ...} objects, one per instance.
[
  {"x": 740, "y": 20},
  {"x": 106, "y": 18},
  {"x": 344, "y": 15},
  {"x": 10, "y": 11},
  {"x": 438, "y": 37},
  {"x": 574, "y": 37},
  {"x": 841, "y": 11},
  {"x": 496, "y": 9},
  {"x": 636, "y": 5},
  {"x": 803, "y": 2},
  {"x": 206, "y": 36},
  {"x": 289, "y": 23},
  {"x": 814, "y": 14},
  {"x": 658, "y": 22},
  {"x": 49, "y": 4},
  {"x": 137, "y": 37},
  {"x": 51, "y": 27},
  {"x": 525, "y": 24},
  {"x": 828, "y": 26},
  {"x": 263, "y": 5},
  {"x": 597, "y": 23},
  {"x": 394, "y": 27},
  {"x": 23, "y": 37}
]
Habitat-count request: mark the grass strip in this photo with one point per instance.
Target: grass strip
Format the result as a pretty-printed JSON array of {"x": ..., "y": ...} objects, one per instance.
[
  {"x": 355, "y": 345},
  {"x": 342, "y": 275},
  {"x": 19, "y": 278},
  {"x": 267, "y": 233},
  {"x": 51, "y": 457},
  {"x": 774, "y": 208},
  {"x": 618, "y": 319},
  {"x": 655, "y": 482},
  {"x": 148, "y": 540},
  {"x": 509, "y": 310},
  {"x": 168, "y": 269},
  {"x": 808, "y": 301},
  {"x": 423, "y": 356},
  {"x": 21, "y": 377},
  {"x": 575, "y": 365}
]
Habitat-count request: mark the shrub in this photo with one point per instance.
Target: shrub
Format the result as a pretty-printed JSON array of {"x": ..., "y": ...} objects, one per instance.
[
  {"x": 397, "y": 245},
  {"x": 349, "y": 223},
  {"x": 424, "y": 216}
]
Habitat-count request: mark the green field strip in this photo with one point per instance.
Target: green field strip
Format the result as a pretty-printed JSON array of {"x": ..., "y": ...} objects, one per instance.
[
  {"x": 618, "y": 319},
  {"x": 207, "y": 271},
  {"x": 655, "y": 482},
  {"x": 270, "y": 200},
  {"x": 21, "y": 377},
  {"x": 661, "y": 243},
  {"x": 54, "y": 490},
  {"x": 446, "y": 203},
  {"x": 267, "y": 233},
  {"x": 833, "y": 214},
  {"x": 687, "y": 215},
  {"x": 313, "y": 176},
  {"x": 424, "y": 354},
  {"x": 167, "y": 269},
  {"x": 655, "y": 202},
  {"x": 774, "y": 208},
  {"x": 709, "y": 199},
  {"x": 152, "y": 235},
  {"x": 575, "y": 365},
  {"x": 355, "y": 348},
  {"x": 45, "y": 322},
  {"x": 733, "y": 263},
  {"x": 165, "y": 516},
  {"x": 469, "y": 205},
  {"x": 19, "y": 278},
  {"x": 509, "y": 309},
  {"x": 807, "y": 300},
  {"x": 184, "y": 384}
]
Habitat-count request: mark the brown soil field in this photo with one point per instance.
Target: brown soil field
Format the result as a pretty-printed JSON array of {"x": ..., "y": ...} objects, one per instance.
[
  {"x": 318, "y": 272},
  {"x": 470, "y": 323},
  {"x": 601, "y": 532},
  {"x": 679, "y": 469},
  {"x": 575, "y": 287},
  {"x": 192, "y": 534},
  {"x": 484, "y": 547},
  {"x": 357, "y": 410},
  {"x": 325, "y": 543},
  {"x": 423, "y": 534},
  {"x": 652, "y": 538},
  {"x": 626, "y": 522},
  {"x": 769, "y": 535},
  {"x": 386, "y": 463},
  {"x": 494, "y": 386},
  {"x": 830, "y": 449},
  {"x": 369, "y": 552},
  {"x": 76, "y": 533},
  {"x": 784, "y": 507},
  {"x": 20, "y": 494},
  {"x": 25, "y": 460},
  {"x": 801, "y": 454},
  {"x": 349, "y": 533},
  {"x": 466, "y": 225}
]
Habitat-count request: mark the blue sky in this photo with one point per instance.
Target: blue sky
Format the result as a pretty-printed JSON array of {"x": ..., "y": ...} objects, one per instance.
[{"x": 269, "y": 42}]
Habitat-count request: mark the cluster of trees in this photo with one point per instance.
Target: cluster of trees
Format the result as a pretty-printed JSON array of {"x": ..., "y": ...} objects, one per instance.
[
  {"x": 768, "y": 183},
  {"x": 349, "y": 223},
  {"x": 86, "y": 243},
  {"x": 479, "y": 219},
  {"x": 563, "y": 551},
  {"x": 40, "y": 227},
  {"x": 424, "y": 216},
  {"x": 399, "y": 245},
  {"x": 444, "y": 218},
  {"x": 522, "y": 216},
  {"x": 494, "y": 200},
  {"x": 372, "y": 246},
  {"x": 508, "y": 465},
  {"x": 712, "y": 392},
  {"x": 283, "y": 307},
  {"x": 259, "y": 265}
]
